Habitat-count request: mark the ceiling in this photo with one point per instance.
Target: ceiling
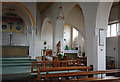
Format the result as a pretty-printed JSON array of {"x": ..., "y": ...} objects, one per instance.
[
  {"x": 43, "y": 6},
  {"x": 115, "y": 4}
]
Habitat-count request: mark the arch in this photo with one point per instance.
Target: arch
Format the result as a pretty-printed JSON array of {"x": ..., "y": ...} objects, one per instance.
[
  {"x": 76, "y": 25},
  {"x": 21, "y": 14},
  {"x": 103, "y": 14},
  {"x": 46, "y": 32},
  {"x": 22, "y": 6}
]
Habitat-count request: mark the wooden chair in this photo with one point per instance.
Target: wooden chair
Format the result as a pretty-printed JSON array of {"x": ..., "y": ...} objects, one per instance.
[{"x": 38, "y": 58}]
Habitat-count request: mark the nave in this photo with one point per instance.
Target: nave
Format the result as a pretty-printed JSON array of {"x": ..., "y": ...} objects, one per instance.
[{"x": 60, "y": 41}]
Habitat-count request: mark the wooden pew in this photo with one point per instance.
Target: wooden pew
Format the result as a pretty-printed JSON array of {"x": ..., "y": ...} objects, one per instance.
[
  {"x": 82, "y": 61},
  {"x": 43, "y": 64},
  {"x": 81, "y": 73},
  {"x": 47, "y": 70}
]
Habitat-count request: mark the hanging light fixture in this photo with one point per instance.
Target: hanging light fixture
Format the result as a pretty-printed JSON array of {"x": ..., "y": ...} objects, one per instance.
[{"x": 61, "y": 14}]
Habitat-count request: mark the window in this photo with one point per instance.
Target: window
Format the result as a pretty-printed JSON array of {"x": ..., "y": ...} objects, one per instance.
[
  {"x": 75, "y": 33},
  {"x": 108, "y": 31},
  {"x": 118, "y": 27},
  {"x": 112, "y": 30}
]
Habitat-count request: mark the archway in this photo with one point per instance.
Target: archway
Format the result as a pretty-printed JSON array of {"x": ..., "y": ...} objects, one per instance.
[
  {"x": 46, "y": 33},
  {"x": 20, "y": 27},
  {"x": 24, "y": 8},
  {"x": 75, "y": 19}
]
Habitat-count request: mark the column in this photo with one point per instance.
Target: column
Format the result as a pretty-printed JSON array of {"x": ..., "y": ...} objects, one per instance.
[
  {"x": 119, "y": 36},
  {"x": 59, "y": 35},
  {"x": 33, "y": 43},
  {"x": 58, "y": 29},
  {"x": 27, "y": 43},
  {"x": 101, "y": 48}
]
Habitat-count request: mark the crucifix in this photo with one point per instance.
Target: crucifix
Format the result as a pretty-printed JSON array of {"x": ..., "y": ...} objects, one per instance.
[
  {"x": 10, "y": 33},
  {"x": 10, "y": 39}
]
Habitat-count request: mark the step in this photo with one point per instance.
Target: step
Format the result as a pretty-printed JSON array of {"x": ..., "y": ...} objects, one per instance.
[
  {"x": 14, "y": 59},
  {"x": 17, "y": 67},
  {"x": 14, "y": 64},
  {"x": 4, "y": 62},
  {"x": 14, "y": 70}
]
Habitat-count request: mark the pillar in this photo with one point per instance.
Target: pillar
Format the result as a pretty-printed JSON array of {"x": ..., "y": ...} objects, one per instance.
[
  {"x": 33, "y": 43},
  {"x": 101, "y": 34},
  {"x": 27, "y": 43},
  {"x": 58, "y": 29},
  {"x": 119, "y": 37}
]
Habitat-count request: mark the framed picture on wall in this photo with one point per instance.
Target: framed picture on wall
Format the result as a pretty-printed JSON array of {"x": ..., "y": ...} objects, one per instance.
[
  {"x": 4, "y": 27},
  {"x": 101, "y": 37},
  {"x": 18, "y": 27}
]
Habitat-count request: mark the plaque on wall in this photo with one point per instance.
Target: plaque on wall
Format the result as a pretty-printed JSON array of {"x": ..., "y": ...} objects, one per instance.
[{"x": 101, "y": 37}]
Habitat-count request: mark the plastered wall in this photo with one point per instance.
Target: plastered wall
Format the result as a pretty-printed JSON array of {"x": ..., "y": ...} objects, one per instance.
[
  {"x": 18, "y": 39},
  {"x": 112, "y": 48}
]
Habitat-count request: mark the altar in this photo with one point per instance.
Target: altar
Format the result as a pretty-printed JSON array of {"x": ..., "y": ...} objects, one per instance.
[
  {"x": 71, "y": 53},
  {"x": 15, "y": 51}
]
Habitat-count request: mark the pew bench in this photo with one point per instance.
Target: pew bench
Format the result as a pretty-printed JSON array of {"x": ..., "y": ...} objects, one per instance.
[
  {"x": 61, "y": 74},
  {"x": 79, "y": 73},
  {"x": 51, "y": 64}
]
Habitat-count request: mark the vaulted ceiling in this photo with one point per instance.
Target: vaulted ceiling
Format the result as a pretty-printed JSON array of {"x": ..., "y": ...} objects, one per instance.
[{"x": 43, "y": 6}]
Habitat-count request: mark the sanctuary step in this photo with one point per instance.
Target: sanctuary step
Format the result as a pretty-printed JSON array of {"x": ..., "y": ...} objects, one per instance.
[{"x": 15, "y": 65}]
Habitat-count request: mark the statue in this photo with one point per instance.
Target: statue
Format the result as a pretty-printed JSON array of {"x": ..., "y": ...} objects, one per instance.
[{"x": 58, "y": 48}]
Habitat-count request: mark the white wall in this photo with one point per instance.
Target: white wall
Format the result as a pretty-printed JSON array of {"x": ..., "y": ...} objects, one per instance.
[
  {"x": 18, "y": 39},
  {"x": 119, "y": 52},
  {"x": 46, "y": 33},
  {"x": 78, "y": 40},
  {"x": 111, "y": 44},
  {"x": 81, "y": 42},
  {"x": 76, "y": 18},
  {"x": 37, "y": 35},
  {"x": 67, "y": 36}
]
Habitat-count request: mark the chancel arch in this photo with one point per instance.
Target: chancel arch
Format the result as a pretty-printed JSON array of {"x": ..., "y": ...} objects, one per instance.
[
  {"x": 19, "y": 26},
  {"x": 24, "y": 9}
]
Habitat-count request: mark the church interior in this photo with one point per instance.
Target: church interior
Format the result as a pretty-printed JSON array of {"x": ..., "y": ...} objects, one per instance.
[{"x": 60, "y": 41}]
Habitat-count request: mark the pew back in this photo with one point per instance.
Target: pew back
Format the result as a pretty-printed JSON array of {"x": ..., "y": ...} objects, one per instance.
[{"x": 51, "y": 64}]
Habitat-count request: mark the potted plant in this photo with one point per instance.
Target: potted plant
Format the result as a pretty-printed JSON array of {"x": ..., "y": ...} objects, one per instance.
[{"x": 60, "y": 56}]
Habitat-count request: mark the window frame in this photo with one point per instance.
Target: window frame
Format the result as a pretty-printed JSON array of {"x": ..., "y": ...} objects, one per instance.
[{"x": 111, "y": 29}]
